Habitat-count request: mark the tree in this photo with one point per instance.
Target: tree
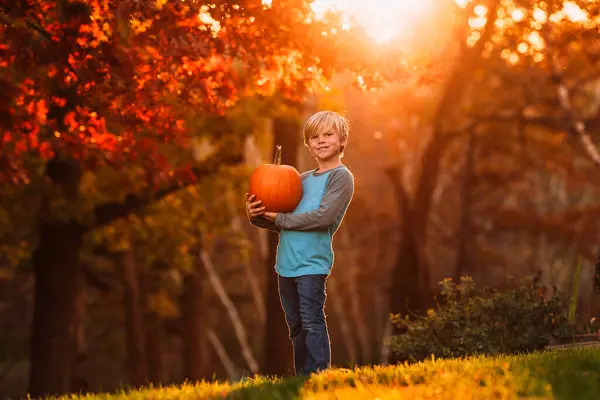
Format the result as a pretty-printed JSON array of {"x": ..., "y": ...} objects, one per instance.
[
  {"x": 491, "y": 38},
  {"x": 100, "y": 84}
]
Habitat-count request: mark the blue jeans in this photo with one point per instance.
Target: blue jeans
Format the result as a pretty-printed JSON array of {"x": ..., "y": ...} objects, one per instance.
[{"x": 303, "y": 301}]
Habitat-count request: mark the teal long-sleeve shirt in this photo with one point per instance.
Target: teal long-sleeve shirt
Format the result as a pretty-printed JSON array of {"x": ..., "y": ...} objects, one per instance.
[{"x": 306, "y": 234}]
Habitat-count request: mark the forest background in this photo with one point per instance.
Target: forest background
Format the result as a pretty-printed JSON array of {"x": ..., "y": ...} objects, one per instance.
[{"x": 129, "y": 131}]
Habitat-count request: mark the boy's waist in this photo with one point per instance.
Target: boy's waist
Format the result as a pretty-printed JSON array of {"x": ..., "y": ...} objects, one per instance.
[
  {"x": 313, "y": 249},
  {"x": 302, "y": 239}
]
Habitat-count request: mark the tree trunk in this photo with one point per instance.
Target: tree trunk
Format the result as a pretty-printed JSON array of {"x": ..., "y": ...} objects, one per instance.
[
  {"x": 406, "y": 293},
  {"x": 56, "y": 267},
  {"x": 406, "y": 290},
  {"x": 134, "y": 325},
  {"x": 153, "y": 324},
  {"x": 58, "y": 274},
  {"x": 462, "y": 265},
  {"x": 356, "y": 303},
  {"x": 410, "y": 279},
  {"x": 192, "y": 316},
  {"x": 155, "y": 348},
  {"x": 79, "y": 382},
  {"x": 53, "y": 333},
  {"x": 278, "y": 359},
  {"x": 345, "y": 330}
]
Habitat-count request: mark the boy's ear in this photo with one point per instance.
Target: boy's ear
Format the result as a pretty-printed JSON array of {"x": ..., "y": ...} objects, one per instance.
[{"x": 344, "y": 141}]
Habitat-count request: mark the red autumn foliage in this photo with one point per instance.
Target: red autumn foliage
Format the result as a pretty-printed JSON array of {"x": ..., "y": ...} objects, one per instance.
[{"x": 112, "y": 81}]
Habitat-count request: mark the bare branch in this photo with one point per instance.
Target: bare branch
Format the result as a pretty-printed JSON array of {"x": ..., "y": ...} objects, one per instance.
[
  {"x": 222, "y": 354},
  {"x": 238, "y": 326},
  {"x": 565, "y": 101},
  {"x": 30, "y": 24},
  {"x": 107, "y": 213},
  {"x": 257, "y": 294},
  {"x": 557, "y": 227}
]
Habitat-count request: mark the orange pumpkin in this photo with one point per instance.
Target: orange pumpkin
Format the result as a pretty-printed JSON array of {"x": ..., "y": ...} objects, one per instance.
[{"x": 278, "y": 186}]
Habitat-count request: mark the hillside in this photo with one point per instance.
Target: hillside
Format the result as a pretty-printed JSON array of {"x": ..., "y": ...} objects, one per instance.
[{"x": 557, "y": 374}]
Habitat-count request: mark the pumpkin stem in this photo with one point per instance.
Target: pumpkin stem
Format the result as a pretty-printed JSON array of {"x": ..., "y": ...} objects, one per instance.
[{"x": 277, "y": 155}]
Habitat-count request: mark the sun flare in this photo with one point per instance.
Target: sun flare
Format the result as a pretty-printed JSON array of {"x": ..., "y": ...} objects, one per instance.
[{"x": 383, "y": 20}]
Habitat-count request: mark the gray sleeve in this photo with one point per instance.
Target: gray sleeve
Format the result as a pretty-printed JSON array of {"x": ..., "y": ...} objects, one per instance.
[
  {"x": 261, "y": 222},
  {"x": 338, "y": 193}
]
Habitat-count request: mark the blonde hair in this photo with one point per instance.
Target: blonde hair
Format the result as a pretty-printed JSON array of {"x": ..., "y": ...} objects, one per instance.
[{"x": 326, "y": 121}]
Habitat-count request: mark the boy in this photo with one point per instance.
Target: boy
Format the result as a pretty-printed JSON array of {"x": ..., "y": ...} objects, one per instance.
[{"x": 304, "y": 253}]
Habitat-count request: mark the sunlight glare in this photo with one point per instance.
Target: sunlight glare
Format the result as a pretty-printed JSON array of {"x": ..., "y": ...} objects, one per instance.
[
  {"x": 477, "y": 22},
  {"x": 540, "y": 15},
  {"x": 518, "y": 15},
  {"x": 536, "y": 40},
  {"x": 383, "y": 20},
  {"x": 209, "y": 22},
  {"x": 473, "y": 38},
  {"x": 346, "y": 24},
  {"x": 480, "y": 10},
  {"x": 573, "y": 12}
]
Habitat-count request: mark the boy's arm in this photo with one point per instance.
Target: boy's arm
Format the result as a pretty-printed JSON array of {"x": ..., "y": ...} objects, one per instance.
[
  {"x": 261, "y": 222},
  {"x": 338, "y": 193}
]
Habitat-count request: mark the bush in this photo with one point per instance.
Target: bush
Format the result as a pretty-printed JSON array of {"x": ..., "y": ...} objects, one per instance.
[{"x": 470, "y": 320}]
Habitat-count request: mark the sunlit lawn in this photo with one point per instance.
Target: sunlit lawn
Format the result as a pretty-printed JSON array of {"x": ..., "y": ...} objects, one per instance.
[{"x": 557, "y": 374}]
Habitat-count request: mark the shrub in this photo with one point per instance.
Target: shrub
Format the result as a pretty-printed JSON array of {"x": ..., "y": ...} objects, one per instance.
[{"x": 470, "y": 320}]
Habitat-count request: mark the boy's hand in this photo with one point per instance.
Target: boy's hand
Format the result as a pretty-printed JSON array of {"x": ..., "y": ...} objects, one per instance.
[
  {"x": 270, "y": 216},
  {"x": 254, "y": 208}
]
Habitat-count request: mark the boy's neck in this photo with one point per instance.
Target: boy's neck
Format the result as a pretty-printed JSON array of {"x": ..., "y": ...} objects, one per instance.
[{"x": 323, "y": 166}]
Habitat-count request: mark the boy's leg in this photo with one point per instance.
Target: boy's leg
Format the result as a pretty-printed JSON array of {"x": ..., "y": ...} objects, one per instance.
[
  {"x": 288, "y": 293},
  {"x": 312, "y": 295}
]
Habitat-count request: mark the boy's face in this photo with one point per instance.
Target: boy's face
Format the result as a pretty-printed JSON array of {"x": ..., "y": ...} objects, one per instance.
[{"x": 326, "y": 146}]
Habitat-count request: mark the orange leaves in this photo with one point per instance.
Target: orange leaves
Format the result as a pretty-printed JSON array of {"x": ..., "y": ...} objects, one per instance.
[
  {"x": 59, "y": 102},
  {"x": 52, "y": 70},
  {"x": 46, "y": 151},
  {"x": 103, "y": 89},
  {"x": 87, "y": 135},
  {"x": 70, "y": 122},
  {"x": 144, "y": 68},
  {"x": 172, "y": 86},
  {"x": 99, "y": 29},
  {"x": 38, "y": 110},
  {"x": 82, "y": 41},
  {"x": 4, "y": 60},
  {"x": 153, "y": 53},
  {"x": 87, "y": 123},
  {"x": 41, "y": 111},
  {"x": 97, "y": 34},
  {"x": 140, "y": 26},
  {"x": 69, "y": 76}
]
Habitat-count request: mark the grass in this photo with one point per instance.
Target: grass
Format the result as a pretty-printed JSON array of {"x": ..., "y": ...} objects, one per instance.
[{"x": 556, "y": 374}]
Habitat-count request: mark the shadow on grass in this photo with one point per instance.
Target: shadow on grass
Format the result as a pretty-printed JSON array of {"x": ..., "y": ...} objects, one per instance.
[
  {"x": 560, "y": 375},
  {"x": 571, "y": 375},
  {"x": 288, "y": 388}
]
